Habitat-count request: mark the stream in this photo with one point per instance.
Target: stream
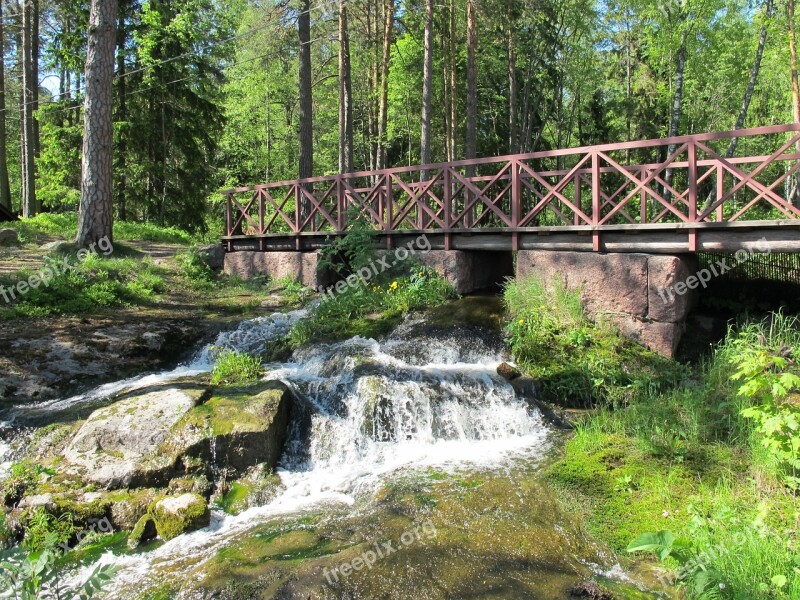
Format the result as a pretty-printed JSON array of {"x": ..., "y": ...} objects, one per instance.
[{"x": 411, "y": 470}]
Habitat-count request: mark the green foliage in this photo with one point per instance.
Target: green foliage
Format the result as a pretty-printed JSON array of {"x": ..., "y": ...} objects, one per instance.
[
  {"x": 42, "y": 528},
  {"x": 686, "y": 460},
  {"x": 578, "y": 362},
  {"x": 233, "y": 368},
  {"x": 349, "y": 253},
  {"x": 196, "y": 270},
  {"x": 373, "y": 308},
  {"x": 36, "y": 574},
  {"x": 96, "y": 282},
  {"x": 766, "y": 367}
]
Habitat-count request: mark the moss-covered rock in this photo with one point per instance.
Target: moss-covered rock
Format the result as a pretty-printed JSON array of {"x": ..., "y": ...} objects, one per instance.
[
  {"x": 239, "y": 427},
  {"x": 115, "y": 447},
  {"x": 174, "y": 515},
  {"x": 143, "y": 531}
]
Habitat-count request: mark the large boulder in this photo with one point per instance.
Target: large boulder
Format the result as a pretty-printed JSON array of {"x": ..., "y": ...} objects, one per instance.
[
  {"x": 239, "y": 427},
  {"x": 115, "y": 447},
  {"x": 213, "y": 255},
  {"x": 9, "y": 237}
]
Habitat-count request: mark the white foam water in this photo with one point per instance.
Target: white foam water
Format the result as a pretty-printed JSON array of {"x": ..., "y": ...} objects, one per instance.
[
  {"x": 367, "y": 410},
  {"x": 373, "y": 416}
]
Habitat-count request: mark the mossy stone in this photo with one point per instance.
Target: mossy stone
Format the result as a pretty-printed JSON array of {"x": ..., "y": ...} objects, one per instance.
[{"x": 174, "y": 515}]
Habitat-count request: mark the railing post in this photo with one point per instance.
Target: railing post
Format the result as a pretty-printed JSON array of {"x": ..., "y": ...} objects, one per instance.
[
  {"x": 578, "y": 200},
  {"x": 596, "y": 216},
  {"x": 516, "y": 203},
  {"x": 692, "y": 195},
  {"x": 387, "y": 217},
  {"x": 297, "y": 215},
  {"x": 448, "y": 207},
  {"x": 341, "y": 207},
  {"x": 229, "y": 220},
  {"x": 692, "y": 182},
  {"x": 720, "y": 192},
  {"x": 643, "y": 200}
]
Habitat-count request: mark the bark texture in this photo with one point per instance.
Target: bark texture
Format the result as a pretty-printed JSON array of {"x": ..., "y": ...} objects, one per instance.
[
  {"x": 95, "y": 218},
  {"x": 345, "y": 94},
  {"x": 5, "y": 188},
  {"x": 427, "y": 88}
]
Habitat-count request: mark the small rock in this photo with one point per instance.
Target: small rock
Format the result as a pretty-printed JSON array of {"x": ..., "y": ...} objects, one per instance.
[
  {"x": 589, "y": 589},
  {"x": 175, "y": 515},
  {"x": 8, "y": 237},
  {"x": 508, "y": 372},
  {"x": 42, "y": 500}
]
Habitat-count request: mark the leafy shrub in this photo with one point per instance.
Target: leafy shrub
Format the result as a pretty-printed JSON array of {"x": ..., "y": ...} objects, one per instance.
[
  {"x": 36, "y": 574},
  {"x": 233, "y": 368},
  {"x": 195, "y": 269},
  {"x": 766, "y": 363}
]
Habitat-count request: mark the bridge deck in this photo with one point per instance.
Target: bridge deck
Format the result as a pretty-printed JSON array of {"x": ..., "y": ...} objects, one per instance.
[{"x": 674, "y": 195}]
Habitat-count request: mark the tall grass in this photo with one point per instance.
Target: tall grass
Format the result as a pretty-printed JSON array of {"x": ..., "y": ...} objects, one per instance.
[
  {"x": 578, "y": 362},
  {"x": 692, "y": 464}
]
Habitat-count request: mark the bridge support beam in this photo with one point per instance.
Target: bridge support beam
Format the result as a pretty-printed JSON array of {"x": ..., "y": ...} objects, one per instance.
[
  {"x": 646, "y": 296},
  {"x": 300, "y": 266}
]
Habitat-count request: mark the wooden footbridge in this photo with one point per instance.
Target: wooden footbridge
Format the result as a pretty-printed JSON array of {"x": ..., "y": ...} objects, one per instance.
[{"x": 678, "y": 195}]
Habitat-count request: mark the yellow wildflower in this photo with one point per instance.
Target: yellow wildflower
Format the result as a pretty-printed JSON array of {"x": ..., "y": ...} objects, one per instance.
[
  {"x": 522, "y": 321},
  {"x": 393, "y": 286}
]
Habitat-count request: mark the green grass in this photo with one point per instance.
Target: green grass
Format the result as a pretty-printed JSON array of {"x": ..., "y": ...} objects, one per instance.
[
  {"x": 577, "y": 362},
  {"x": 372, "y": 309},
  {"x": 683, "y": 459},
  {"x": 95, "y": 283},
  {"x": 234, "y": 368},
  {"x": 65, "y": 226}
]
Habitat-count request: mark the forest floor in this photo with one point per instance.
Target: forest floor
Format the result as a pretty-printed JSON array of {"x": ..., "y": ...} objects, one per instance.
[{"x": 64, "y": 339}]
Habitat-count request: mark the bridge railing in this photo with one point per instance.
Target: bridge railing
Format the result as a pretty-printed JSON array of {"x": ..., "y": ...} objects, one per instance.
[{"x": 689, "y": 179}]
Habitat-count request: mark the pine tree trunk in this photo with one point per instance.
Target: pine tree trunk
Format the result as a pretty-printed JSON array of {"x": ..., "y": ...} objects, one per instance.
[
  {"x": 451, "y": 40},
  {"x": 29, "y": 204},
  {"x": 306, "y": 129},
  {"x": 95, "y": 218},
  {"x": 427, "y": 89},
  {"x": 5, "y": 188},
  {"x": 677, "y": 105},
  {"x": 383, "y": 108},
  {"x": 345, "y": 94},
  {"x": 513, "y": 135},
  {"x": 754, "y": 72},
  {"x": 795, "y": 84},
  {"x": 122, "y": 117},
  {"x": 472, "y": 82}
]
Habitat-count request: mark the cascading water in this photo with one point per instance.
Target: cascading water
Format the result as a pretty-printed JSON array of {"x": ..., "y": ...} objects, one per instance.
[
  {"x": 367, "y": 409},
  {"x": 368, "y": 414}
]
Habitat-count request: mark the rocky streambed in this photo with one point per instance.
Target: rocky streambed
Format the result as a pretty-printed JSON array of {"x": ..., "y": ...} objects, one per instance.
[{"x": 400, "y": 468}]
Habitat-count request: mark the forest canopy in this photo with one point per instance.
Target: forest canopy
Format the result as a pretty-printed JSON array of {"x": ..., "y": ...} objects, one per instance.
[{"x": 212, "y": 94}]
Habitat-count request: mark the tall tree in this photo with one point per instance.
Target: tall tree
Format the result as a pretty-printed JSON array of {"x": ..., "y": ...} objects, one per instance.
[
  {"x": 470, "y": 147},
  {"x": 5, "y": 186},
  {"x": 30, "y": 86},
  {"x": 306, "y": 130},
  {"x": 427, "y": 87},
  {"x": 345, "y": 94},
  {"x": 383, "y": 106},
  {"x": 513, "y": 144},
  {"x": 754, "y": 72},
  {"x": 95, "y": 217},
  {"x": 122, "y": 114}
]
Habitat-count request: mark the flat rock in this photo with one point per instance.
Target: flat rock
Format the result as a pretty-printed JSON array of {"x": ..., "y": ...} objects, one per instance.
[
  {"x": 114, "y": 443},
  {"x": 9, "y": 237}
]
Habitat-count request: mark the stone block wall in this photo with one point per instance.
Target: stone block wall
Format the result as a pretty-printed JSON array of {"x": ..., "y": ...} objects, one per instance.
[
  {"x": 632, "y": 291},
  {"x": 301, "y": 266}
]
